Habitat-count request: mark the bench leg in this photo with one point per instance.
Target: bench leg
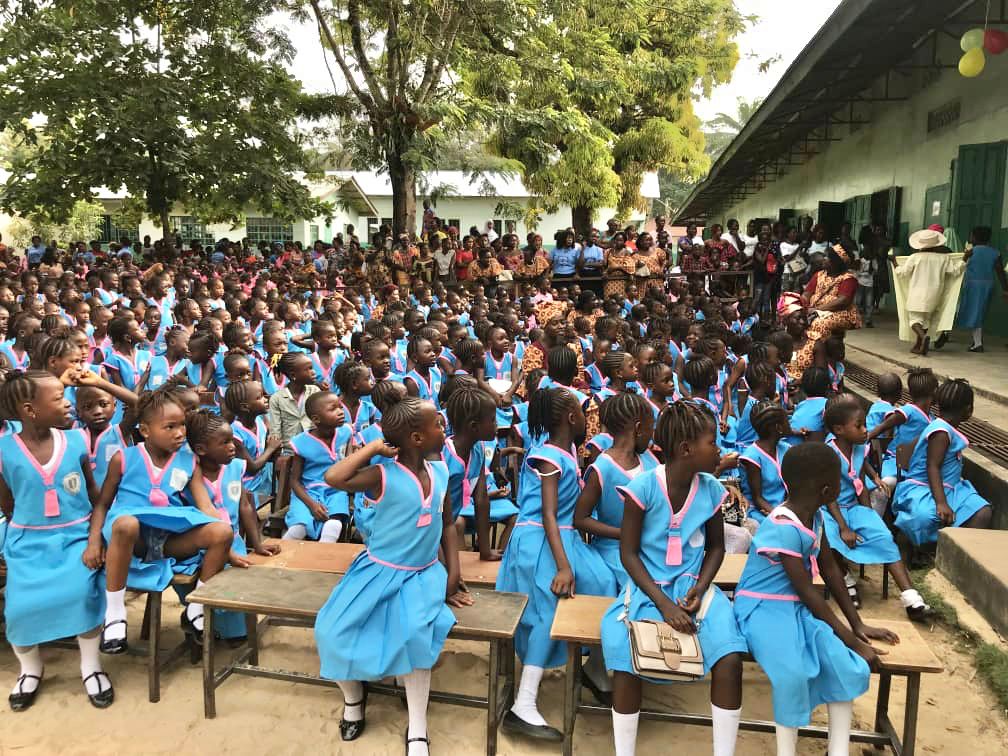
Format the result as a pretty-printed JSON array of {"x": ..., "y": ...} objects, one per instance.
[
  {"x": 882, "y": 703},
  {"x": 209, "y": 692},
  {"x": 571, "y": 696},
  {"x": 153, "y": 612},
  {"x": 509, "y": 671},
  {"x": 145, "y": 625},
  {"x": 252, "y": 635},
  {"x": 493, "y": 705},
  {"x": 910, "y": 714}
]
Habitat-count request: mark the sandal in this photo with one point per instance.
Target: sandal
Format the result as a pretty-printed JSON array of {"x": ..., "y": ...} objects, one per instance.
[
  {"x": 416, "y": 740},
  {"x": 189, "y": 627},
  {"x": 22, "y": 701},
  {"x": 105, "y": 696},
  {"x": 116, "y": 646},
  {"x": 353, "y": 730}
]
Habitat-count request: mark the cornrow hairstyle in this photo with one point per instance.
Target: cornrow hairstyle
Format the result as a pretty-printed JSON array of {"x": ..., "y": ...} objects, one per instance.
[
  {"x": 326, "y": 321},
  {"x": 467, "y": 405},
  {"x": 759, "y": 352},
  {"x": 199, "y": 337},
  {"x": 231, "y": 358},
  {"x": 413, "y": 346},
  {"x": 428, "y": 332},
  {"x": 620, "y": 411},
  {"x": 155, "y": 401},
  {"x": 61, "y": 346},
  {"x": 922, "y": 383},
  {"x": 954, "y": 396},
  {"x": 816, "y": 382},
  {"x": 680, "y": 423},
  {"x": 532, "y": 380},
  {"x": 561, "y": 364},
  {"x": 201, "y": 424},
  {"x": 708, "y": 344},
  {"x": 20, "y": 387},
  {"x": 347, "y": 373},
  {"x": 50, "y": 323},
  {"x": 604, "y": 324},
  {"x": 453, "y": 383},
  {"x": 840, "y": 409},
  {"x": 119, "y": 327},
  {"x": 547, "y": 409},
  {"x": 232, "y": 331},
  {"x": 288, "y": 361},
  {"x": 766, "y": 416},
  {"x": 760, "y": 373},
  {"x": 370, "y": 347},
  {"x": 386, "y": 393},
  {"x": 376, "y": 327},
  {"x": 467, "y": 351},
  {"x": 700, "y": 373},
  {"x": 237, "y": 394},
  {"x": 611, "y": 363},
  {"x": 401, "y": 419},
  {"x": 650, "y": 372}
]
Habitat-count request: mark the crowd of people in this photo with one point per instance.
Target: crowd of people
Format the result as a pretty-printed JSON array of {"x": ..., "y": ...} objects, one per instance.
[{"x": 621, "y": 411}]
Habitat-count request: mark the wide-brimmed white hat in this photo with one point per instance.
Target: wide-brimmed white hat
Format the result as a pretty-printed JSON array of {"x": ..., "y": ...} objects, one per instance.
[{"x": 926, "y": 239}]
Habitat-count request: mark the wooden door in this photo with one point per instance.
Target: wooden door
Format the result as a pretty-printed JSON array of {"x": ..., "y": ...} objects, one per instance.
[{"x": 979, "y": 188}]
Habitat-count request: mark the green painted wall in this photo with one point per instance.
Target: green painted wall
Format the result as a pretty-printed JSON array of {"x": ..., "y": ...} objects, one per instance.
[{"x": 896, "y": 150}]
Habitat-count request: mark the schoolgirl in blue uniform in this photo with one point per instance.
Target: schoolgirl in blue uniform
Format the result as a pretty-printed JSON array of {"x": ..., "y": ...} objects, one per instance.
[
  {"x": 700, "y": 375},
  {"x": 424, "y": 379},
  {"x": 317, "y": 512},
  {"x": 907, "y": 422},
  {"x": 890, "y": 390},
  {"x": 53, "y": 547},
  {"x": 761, "y": 378},
  {"x": 810, "y": 655},
  {"x": 855, "y": 530},
  {"x": 328, "y": 354},
  {"x": 173, "y": 361},
  {"x": 126, "y": 364},
  {"x": 672, "y": 537},
  {"x": 390, "y": 615},
  {"x": 246, "y": 404},
  {"x": 545, "y": 557},
  {"x": 23, "y": 327},
  {"x": 146, "y": 515},
  {"x": 352, "y": 381},
  {"x": 808, "y": 413},
  {"x": 599, "y": 508},
  {"x": 760, "y": 463},
  {"x": 934, "y": 493}
]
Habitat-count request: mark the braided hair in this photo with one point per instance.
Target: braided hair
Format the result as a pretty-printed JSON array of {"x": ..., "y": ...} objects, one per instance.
[
  {"x": 50, "y": 323},
  {"x": 413, "y": 346},
  {"x": 620, "y": 411},
  {"x": 611, "y": 363},
  {"x": 468, "y": 350},
  {"x": 347, "y": 373},
  {"x": 287, "y": 361},
  {"x": 700, "y": 373},
  {"x": 202, "y": 337},
  {"x": 401, "y": 419},
  {"x": 547, "y": 409},
  {"x": 467, "y": 405},
  {"x": 237, "y": 394},
  {"x": 118, "y": 328},
  {"x": 387, "y": 393},
  {"x": 816, "y": 382},
  {"x": 454, "y": 382},
  {"x": 155, "y": 401},
  {"x": 680, "y": 423},
  {"x": 201, "y": 424},
  {"x": 55, "y": 347},
  {"x": 765, "y": 417},
  {"x": 759, "y": 351},
  {"x": 922, "y": 383},
  {"x": 561, "y": 364},
  {"x": 652, "y": 372},
  {"x": 954, "y": 396},
  {"x": 760, "y": 373},
  {"x": 840, "y": 409},
  {"x": 19, "y": 388}
]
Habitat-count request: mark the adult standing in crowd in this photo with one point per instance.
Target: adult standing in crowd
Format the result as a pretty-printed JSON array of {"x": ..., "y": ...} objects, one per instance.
[{"x": 983, "y": 265}]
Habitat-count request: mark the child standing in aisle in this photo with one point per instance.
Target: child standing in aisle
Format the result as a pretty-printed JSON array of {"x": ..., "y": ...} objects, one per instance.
[
  {"x": 389, "y": 614},
  {"x": 778, "y": 607},
  {"x": 53, "y": 547}
]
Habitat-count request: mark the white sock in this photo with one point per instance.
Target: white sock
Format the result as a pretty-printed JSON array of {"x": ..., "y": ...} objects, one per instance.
[
  {"x": 978, "y": 337},
  {"x": 911, "y": 598},
  {"x": 417, "y": 684},
  {"x": 31, "y": 664},
  {"x": 331, "y": 530},
  {"x": 787, "y": 740},
  {"x": 352, "y": 691},
  {"x": 90, "y": 662},
  {"x": 624, "y": 730},
  {"x": 840, "y": 715},
  {"x": 596, "y": 671},
  {"x": 194, "y": 611},
  {"x": 115, "y": 609},
  {"x": 725, "y": 725},
  {"x": 295, "y": 533},
  {"x": 528, "y": 692}
]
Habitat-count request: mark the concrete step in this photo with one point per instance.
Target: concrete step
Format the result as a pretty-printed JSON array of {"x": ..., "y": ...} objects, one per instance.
[{"x": 976, "y": 563}]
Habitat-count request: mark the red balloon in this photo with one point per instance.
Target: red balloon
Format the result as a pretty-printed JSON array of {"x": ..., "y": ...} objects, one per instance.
[{"x": 995, "y": 41}]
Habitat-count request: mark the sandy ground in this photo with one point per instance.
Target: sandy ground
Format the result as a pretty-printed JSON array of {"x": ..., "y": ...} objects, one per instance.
[{"x": 958, "y": 714}]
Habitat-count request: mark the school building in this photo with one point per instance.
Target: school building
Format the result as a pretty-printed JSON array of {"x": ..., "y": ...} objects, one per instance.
[
  {"x": 873, "y": 123},
  {"x": 363, "y": 199}
]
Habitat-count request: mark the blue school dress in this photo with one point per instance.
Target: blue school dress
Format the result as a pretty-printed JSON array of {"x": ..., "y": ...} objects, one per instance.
[
  {"x": 363, "y": 511},
  {"x": 155, "y": 500},
  {"x": 609, "y": 509},
  {"x": 254, "y": 441},
  {"x": 464, "y": 474},
  {"x": 907, "y": 433},
  {"x": 601, "y": 441},
  {"x": 672, "y": 550},
  {"x": 528, "y": 565},
  {"x": 129, "y": 369},
  {"x": 725, "y": 441},
  {"x": 100, "y": 450},
  {"x": 428, "y": 389},
  {"x": 875, "y": 543},
  {"x": 51, "y": 593},
  {"x": 836, "y": 374},
  {"x": 806, "y": 661},
  {"x": 16, "y": 363},
  {"x": 367, "y": 414},
  {"x": 769, "y": 468},
  {"x": 596, "y": 381},
  {"x": 877, "y": 413},
  {"x": 745, "y": 434},
  {"x": 808, "y": 414},
  {"x": 977, "y": 286},
  {"x": 324, "y": 374},
  {"x": 318, "y": 457},
  {"x": 388, "y": 616},
  {"x": 162, "y": 370},
  {"x": 913, "y": 504}
]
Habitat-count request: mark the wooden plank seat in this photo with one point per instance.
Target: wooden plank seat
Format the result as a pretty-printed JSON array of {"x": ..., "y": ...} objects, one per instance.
[
  {"x": 299, "y": 594},
  {"x": 578, "y": 623}
]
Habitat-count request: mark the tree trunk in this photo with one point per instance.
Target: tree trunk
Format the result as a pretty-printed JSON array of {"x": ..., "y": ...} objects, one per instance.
[
  {"x": 165, "y": 223},
  {"x": 403, "y": 178},
  {"x": 581, "y": 219}
]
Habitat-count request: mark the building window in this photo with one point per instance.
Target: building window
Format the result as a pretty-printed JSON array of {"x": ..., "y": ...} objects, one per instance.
[
  {"x": 190, "y": 229},
  {"x": 112, "y": 233},
  {"x": 268, "y": 230},
  {"x": 511, "y": 226},
  {"x": 313, "y": 233},
  {"x": 455, "y": 223}
]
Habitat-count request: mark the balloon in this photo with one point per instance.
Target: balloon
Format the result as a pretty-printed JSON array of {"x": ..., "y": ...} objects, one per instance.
[
  {"x": 972, "y": 63},
  {"x": 972, "y": 40},
  {"x": 995, "y": 41}
]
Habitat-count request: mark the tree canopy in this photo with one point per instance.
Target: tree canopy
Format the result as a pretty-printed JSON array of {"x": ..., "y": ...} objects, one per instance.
[{"x": 171, "y": 100}]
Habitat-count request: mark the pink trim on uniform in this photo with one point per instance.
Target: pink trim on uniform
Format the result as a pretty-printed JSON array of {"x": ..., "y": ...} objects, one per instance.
[
  {"x": 769, "y": 550},
  {"x": 630, "y": 495},
  {"x": 917, "y": 482},
  {"x": 591, "y": 441},
  {"x": 85, "y": 518},
  {"x": 533, "y": 523},
  {"x": 408, "y": 568},
  {"x": 51, "y": 507},
  {"x": 598, "y": 472},
  {"x": 768, "y": 596}
]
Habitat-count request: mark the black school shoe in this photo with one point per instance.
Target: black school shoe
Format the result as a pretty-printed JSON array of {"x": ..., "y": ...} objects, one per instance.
[
  {"x": 515, "y": 725},
  {"x": 105, "y": 696},
  {"x": 922, "y": 613},
  {"x": 352, "y": 730},
  {"x": 602, "y": 696},
  {"x": 117, "y": 646},
  {"x": 23, "y": 701}
]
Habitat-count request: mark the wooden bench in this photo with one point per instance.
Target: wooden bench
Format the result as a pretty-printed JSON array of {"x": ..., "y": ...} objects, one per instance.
[
  {"x": 300, "y": 594},
  {"x": 578, "y": 623}
]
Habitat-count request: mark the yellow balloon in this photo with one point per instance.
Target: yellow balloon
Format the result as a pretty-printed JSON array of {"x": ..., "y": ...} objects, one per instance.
[
  {"x": 972, "y": 39},
  {"x": 972, "y": 63}
]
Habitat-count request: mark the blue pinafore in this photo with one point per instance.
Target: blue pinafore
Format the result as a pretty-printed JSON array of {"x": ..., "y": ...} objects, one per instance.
[
  {"x": 318, "y": 457},
  {"x": 769, "y": 469}
]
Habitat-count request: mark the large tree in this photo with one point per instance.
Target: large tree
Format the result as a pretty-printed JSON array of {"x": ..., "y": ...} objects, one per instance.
[
  {"x": 174, "y": 100},
  {"x": 609, "y": 86}
]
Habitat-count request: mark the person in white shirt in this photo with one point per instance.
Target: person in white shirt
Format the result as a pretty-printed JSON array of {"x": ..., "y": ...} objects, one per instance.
[
  {"x": 794, "y": 261},
  {"x": 490, "y": 233},
  {"x": 867, "y": 266},
  {"x": 749, "y": 239}
]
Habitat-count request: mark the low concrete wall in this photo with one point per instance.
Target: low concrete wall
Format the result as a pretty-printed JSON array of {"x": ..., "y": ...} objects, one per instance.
[{"x": 976, "y": 562}]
